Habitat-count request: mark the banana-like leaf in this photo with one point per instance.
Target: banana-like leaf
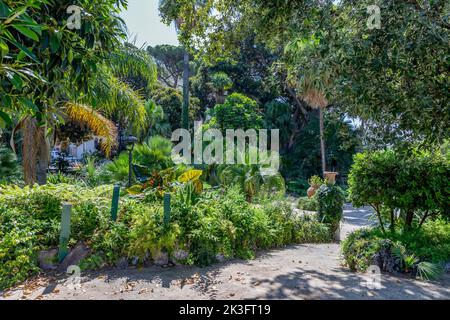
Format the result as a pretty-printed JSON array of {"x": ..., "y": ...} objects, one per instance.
[{"x": 190, "y": 175}]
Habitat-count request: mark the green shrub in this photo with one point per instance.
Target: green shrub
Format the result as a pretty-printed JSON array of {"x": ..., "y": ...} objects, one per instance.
[
  {"x": 149, "y": 235},
  {"x": 308, "y": 204},
  {"x": 17, "y": 256},
  {"x": 416, "y": 248},
  {"x": 330, "y": 200},
  {"x": 416, "y": 183},
  {"x": 219, "y": 221},
  {"x": 298, "y": 187},
  {"x": 359, "y": 248},
  {"x": 30, "y": 222},
  {"x": 310, "y": 230},
  {"x": 237, "y": 112}
]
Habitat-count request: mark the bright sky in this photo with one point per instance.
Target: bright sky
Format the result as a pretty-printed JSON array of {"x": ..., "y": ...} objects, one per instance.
[{"x": 143, "y": 20}]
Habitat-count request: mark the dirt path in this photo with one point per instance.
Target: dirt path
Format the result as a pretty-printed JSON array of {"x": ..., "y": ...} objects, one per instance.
[{"x": 295, "y": 272}]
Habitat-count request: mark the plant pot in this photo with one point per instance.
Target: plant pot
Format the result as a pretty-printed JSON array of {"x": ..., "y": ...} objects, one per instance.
[
  {"x": 311, "y": 191},
  {"x": 330, "y": 177}
]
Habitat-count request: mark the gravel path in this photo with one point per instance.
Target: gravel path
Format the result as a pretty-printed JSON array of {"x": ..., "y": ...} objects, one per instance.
[{"x": 295, "y": 272}]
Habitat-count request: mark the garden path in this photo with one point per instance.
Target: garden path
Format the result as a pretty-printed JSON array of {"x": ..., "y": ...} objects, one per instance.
[{"x": 308, "y": 271}]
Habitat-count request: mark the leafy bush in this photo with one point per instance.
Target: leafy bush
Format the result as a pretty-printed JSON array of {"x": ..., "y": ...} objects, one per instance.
[
  {"x": 171, "y": 100},
  {"x": 219, "y": 222},
  {"x": 30, "y": 219},
  {"x": 359, "y": 248},
  {"x": 315, "y": 181},
  {"x": 308, "y": 204},
  {"x": 413, "y": 250},
  {"x": 330, "y": 200},
  {"x": 415, "y": 183},
  {"x": 310, "y": 230},
  {"x": 149, "y": 235},
  {"x": 238, "y": 112},
  {"x": 150, "y": 156},
  {"x": 298, "y": 187}
]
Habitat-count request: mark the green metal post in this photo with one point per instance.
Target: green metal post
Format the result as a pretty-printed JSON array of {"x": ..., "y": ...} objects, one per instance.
[
  {"x": 166, "y": 208},
  {"x": 65, "y": 231},
  {"x": 115, "y": 202}
]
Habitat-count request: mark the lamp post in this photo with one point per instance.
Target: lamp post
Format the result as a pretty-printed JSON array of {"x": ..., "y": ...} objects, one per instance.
[{"x": 130, "y": 142}]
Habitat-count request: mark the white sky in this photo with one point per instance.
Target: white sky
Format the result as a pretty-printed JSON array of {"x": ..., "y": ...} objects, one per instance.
[{"x": 143, "y": 20}]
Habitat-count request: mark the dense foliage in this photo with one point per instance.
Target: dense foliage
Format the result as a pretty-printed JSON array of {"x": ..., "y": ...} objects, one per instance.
[
  {"x": 237, "y": 112},
  {"x": 215, "y": 222},
  {"x": 388, "y": 77},
  {"x": 417, "y": 184},
  {"x": 330, "y": 199},
  {"x": 420, "y": 252}
]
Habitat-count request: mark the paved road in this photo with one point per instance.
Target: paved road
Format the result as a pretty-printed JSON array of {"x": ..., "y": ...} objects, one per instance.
[{"x": 295, "y": 272}]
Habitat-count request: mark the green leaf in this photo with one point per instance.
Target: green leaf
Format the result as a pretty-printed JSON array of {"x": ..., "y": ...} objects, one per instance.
[
  {"x": 5, "y": 117},
  {"x": 54, "y": 43},
  {"x": 70, "y": 56},
  {"x": 27, "y": 32},
  {"x": 25, "y": 50},
  {"x": 4, "y": 49},
  {"x": 29, "y": 104},
  {"x": 15, "y": 80}
]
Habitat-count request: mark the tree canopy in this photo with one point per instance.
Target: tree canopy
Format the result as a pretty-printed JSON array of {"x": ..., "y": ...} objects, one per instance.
[{"x": 395, "y": 77}]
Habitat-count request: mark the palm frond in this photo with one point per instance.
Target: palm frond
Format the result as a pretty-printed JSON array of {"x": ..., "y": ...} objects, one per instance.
[
  {"x": 428, "y": 271},
  {"x": 96, "y": 122},
  {"x": 117, "y": 99},
  {"x": 131, "y": 61}
]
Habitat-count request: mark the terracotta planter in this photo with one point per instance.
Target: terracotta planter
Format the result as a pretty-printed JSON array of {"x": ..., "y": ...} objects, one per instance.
[
  {"x": 330, "y": 177},
  {"x": 311, "y": 191}
]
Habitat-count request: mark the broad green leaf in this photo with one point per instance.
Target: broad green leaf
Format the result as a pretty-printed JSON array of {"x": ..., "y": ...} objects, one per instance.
[
  {"x": 190, "y": 175},
  {"x": 27, "y": 32},
  {"x": 5, "y": 118}
]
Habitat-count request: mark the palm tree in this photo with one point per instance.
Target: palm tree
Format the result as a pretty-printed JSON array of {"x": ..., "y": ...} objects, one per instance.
[
  {"x": 111, "y": 98},
  {"x": 250, "y": 179},
  {"x": 172, "y": 9},
  {"x": 317, "y": 100}
]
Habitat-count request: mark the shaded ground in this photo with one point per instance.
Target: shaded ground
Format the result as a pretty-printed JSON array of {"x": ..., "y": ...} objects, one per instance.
[{"x": 295, "y": 272}]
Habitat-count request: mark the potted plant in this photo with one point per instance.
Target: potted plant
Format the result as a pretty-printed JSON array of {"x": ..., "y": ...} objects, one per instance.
[
  {"x": 330, "y": 177},
  {"x": 315, "y": 182}
]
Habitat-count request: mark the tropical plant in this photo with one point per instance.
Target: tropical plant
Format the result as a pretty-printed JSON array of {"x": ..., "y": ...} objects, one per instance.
[
  {"x": 221, "y": 83},
  {"x": 68, "y": 61},
  {"x": 251, "y": 180},
  {"x": 192, "y": 177}
]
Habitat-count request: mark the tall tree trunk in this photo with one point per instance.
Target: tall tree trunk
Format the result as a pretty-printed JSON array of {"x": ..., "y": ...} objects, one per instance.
[
  {"x": 35, "y": 152},
  {"x": 185, "y": 111},
  {"x": 322, "y": 140}
]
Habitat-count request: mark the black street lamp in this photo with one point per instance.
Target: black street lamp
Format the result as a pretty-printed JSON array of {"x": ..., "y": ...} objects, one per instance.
[{"x": 130, "y": 141}]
